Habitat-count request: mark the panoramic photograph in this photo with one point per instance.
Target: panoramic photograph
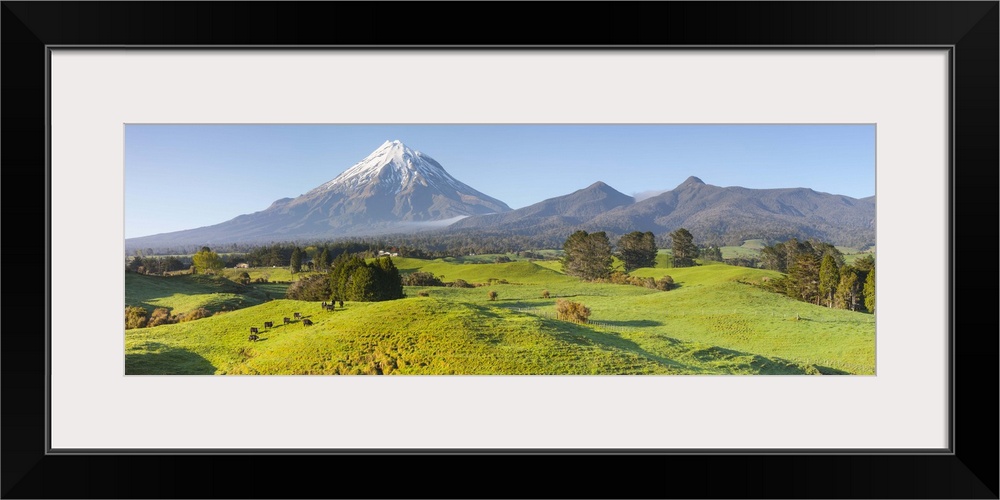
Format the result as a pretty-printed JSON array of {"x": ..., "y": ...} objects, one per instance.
[{"x": 573, "y": 249}]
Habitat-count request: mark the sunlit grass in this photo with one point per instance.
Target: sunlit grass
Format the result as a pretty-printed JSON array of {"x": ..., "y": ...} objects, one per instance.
[{"x": 715, "y": 322}]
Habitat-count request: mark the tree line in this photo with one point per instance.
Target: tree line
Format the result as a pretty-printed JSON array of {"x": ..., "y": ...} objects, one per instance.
[
  {"x": 816, "y": 272},
  {"x": 590, "y": 255},
  {"x": 353, "y": 278}
]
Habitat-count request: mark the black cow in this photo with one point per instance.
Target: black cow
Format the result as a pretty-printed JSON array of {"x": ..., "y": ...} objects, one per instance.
[
  {"x": 288, "y": 320},
  {"x": 253, "y": 338},
  {"x": 268, "y": 324},
  {"x": 307, "y": 322},
  {"x": 324, "y": 305},
  {"x": 253, "y": 329},
  {"x": 298, "y": 315},
  {"x": 330, "y": 307},
  {"x": 341, "y": 303}
]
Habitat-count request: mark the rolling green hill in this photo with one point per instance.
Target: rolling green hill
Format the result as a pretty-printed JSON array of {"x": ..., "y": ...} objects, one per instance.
[
  {"x": 184, "y": 293},
  {"x": 716, "y": 322}
]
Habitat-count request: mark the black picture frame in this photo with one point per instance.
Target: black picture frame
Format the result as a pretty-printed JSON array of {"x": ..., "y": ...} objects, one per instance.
[{"x": 970, "y": 28}]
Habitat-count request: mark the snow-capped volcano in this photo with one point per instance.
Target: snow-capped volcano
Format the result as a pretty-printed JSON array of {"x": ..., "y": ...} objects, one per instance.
[
  {"x": 393, "y": 162},
  {"x": 393, "y": 189},
  {"x": 396, "y": 183}
]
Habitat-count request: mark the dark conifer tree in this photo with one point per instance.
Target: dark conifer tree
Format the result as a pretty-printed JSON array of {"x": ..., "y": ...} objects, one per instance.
[
  {"x": 683, "y": 248},
  {"x": 637, "y": 249}
]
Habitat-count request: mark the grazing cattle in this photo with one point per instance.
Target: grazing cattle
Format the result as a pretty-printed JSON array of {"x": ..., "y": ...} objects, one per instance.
[
  {"x": 268, "y": 324},
  {"x": 307, "y": 322},
  {"x": 253, "y": 329},
  {"x": 341, "y": 303},
  {"x": 329, "y": 307},
  {"x": 253, "y": 338},
  {"x": 298, "y": 315},
  {"x": 288, "y": 320},
  {"x": 324, "y": 305}
]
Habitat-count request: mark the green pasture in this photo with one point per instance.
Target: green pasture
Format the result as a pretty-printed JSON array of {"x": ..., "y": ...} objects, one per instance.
[
  {"x": 281, "y": 274},
  {"x": 184, "y": 293},
  {"x": 717, "y": 321}
]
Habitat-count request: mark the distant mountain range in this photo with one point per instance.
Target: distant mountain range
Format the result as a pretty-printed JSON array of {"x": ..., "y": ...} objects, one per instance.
[
  {"x": 398, "y": 190},
  {"x": 715, "y": 215}
]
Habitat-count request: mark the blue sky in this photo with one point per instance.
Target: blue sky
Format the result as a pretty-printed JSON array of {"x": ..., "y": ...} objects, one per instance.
[{"x": 186, "y": 176}]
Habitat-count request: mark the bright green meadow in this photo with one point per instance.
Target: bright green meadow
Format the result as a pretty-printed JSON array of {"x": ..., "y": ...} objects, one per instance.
[{"x": 717, "y": 321}]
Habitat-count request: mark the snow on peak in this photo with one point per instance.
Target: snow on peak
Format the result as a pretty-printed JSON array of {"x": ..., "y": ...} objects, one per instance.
[{"x": 393, "y": 162}]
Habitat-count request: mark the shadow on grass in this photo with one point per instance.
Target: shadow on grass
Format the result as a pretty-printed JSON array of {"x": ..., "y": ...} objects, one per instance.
[
  {"x": 582, "y": 335},
  {"x": 525, "y": 304},
  {"x": 483, "y": 311},
  {"x": 826, "y": 370},
  {"x": 635, "y": 323},
  {"x": 154, "y": 358},
  {"x": 747, "y": 363}
]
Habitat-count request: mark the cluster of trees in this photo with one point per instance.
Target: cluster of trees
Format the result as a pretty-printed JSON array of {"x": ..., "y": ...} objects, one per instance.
[
  {"x": 319, "y": 255},
  {"x": 712, "y": 253},
  {"x": 421, "y": 246},
  {"x": 206, "y": 261},
  {"x": 815, "y": 272},
  {"x": 589, "y": 255},
  {"x": 352, "y": 278},
  {"x": 313, "y": 256},
  {"x": 156, "y": 265}
]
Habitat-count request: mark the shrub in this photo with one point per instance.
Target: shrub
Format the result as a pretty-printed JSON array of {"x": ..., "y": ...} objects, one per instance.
[
  {"x": 572, "y": 311},
  {"x": 665, "y": 283},
  {"x": 421, "y": 278},
  {"x": 423, "y": 294},
  {"x": 647, "y": 282},
  {"x": 314, "y": 288},
  {"x": 460, "y": 283},
  {"x": 135, "y": 317},
  {"x": 160, "y": 316},
  {"x": 545, "y": 294},
  {"x": 492, "y": 295},
  {"x": 619, "y": 278},
  {"x": 198, "y": 313}
]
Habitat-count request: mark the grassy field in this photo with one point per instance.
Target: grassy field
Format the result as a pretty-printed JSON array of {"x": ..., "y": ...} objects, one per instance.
[
  {"x": 184, "y": 293},
  {"x": 280, "y": 274},
  {"x": 715, "y": 322}
]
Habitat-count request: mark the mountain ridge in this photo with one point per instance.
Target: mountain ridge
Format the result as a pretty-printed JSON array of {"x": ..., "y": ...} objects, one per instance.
[
  {"x": 715, "y": 215},
  {"x": 397, "y": 190}
]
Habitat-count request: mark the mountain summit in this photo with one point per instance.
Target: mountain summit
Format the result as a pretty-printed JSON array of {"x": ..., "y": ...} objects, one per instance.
[
  {"x": 395, "y": 183},
  {"x": 394, "y": 164},
  {"x": 393, "y": 189},
  {"x": 562, "y": 211}
]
